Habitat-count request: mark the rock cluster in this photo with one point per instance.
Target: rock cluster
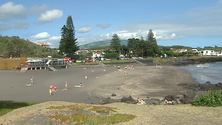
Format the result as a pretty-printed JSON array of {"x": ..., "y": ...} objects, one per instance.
[{"x": 194, "y": 91}]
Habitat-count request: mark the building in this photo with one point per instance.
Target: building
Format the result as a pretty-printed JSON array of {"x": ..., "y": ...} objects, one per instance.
[{"x": 43, "y": 45}]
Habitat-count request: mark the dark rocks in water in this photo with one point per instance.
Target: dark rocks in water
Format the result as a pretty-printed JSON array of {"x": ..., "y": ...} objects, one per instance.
[
  {"x": 113, "y": 94},
  {"x": 207, "y": 86},
  {"x": 218, "y": 86},
  {"x": 128, "y": 99}
]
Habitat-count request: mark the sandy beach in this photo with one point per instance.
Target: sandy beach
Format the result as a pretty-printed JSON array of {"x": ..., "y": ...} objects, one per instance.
[{"x": 143, "y": 82}]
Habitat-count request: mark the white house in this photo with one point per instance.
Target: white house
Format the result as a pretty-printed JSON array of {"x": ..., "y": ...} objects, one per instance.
[
  {"x": 97, "y": 54},
  {"x": 208, "y": 53}
]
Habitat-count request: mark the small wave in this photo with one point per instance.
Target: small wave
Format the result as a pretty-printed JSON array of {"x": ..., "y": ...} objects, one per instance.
[{"x": 203, "y": 66}]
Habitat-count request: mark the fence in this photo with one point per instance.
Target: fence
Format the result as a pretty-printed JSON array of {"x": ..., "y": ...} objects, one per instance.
[{"x": 12, "y": 63}]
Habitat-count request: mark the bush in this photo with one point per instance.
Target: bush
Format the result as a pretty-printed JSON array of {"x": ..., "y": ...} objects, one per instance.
[
  {"x": 111, "y": 55},
  {"x": 209, "y": 99}
]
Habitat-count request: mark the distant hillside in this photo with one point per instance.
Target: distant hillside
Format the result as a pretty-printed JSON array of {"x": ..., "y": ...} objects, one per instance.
[
  {"x": 17, "y": 47},
  {"x": 100, "y": 43}
]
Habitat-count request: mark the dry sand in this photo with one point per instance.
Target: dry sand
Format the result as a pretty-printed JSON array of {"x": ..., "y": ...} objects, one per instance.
[{"x": 144, "y": 82}]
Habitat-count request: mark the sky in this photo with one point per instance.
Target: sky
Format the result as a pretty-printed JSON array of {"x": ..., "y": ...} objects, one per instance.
[{"x": 193, "y": 23}]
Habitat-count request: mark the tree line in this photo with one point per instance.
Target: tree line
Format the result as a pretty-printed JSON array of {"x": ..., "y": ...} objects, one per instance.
[{"x": 136, "y": 47}]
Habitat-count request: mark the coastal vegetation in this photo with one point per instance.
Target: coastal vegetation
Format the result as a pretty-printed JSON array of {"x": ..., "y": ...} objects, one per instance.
[{"x": 209, "y": 99}]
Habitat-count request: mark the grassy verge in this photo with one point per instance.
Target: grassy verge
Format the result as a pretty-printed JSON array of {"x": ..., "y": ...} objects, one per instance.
[
  {"x": 8, "y": 106},
  {"x": 162, "y": 60},
  {"x": 117, "y": 61}
]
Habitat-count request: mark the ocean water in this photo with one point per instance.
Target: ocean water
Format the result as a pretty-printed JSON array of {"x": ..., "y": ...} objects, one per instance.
[{"x": 205, "y": 72}]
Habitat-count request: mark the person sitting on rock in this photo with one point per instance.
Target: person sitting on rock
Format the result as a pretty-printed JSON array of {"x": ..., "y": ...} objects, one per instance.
[
  {"x": 167, "y": 102},
  {"x": 140, "y": 102}
]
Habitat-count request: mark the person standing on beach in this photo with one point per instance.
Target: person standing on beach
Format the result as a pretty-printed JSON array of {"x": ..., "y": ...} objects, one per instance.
[
  {"x": 32, "y": 81},
  {"x": 66, "y": 85}
]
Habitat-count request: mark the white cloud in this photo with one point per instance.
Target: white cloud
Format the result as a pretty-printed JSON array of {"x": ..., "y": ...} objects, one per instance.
[
  {"x": 40, "y": 36},
  {"x": 50, "y": 15},
  {"x": 10, "y": 10},
  {"x": 103, "y": 25},
  {"x": 44, "y": 37},
  {"x": 39, "y": 9},
  {"x": 83, "y": 29}
]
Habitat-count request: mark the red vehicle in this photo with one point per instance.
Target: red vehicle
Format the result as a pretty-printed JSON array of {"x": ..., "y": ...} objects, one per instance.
[{"x": 88, "y": 61}]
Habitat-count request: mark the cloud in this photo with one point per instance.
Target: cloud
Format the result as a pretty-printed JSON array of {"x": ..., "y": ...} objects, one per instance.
[
  {"x": 16, "y": 25},
  {"x": 50, "y": 15},
  {"x": 103, "y": 25},
  {"x": 39, "y": 9},
  {"x": 10, "y": 10},
  {"x": 44, "y": 37},
  {"x": 40, "y": 36},
  {"x": 83, "y": 29}
]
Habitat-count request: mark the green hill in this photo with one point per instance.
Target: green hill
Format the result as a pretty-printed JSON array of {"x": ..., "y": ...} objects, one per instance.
[
  {"x": 17, "y": 47},
  {"x": 100, "y": 44}
]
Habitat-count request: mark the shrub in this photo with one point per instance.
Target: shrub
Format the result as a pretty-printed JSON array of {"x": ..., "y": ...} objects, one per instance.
[{"x": 209, "y": 99}]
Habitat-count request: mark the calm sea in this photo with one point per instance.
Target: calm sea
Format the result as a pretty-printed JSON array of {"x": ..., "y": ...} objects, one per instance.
[{"x": 205, "y": 72}]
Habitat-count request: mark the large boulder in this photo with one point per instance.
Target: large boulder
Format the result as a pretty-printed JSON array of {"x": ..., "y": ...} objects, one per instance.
[
  {"x": 153, "y": 101},
  {"x": 128, "y": 99},
  {"x": 207, "y": 86},
  {"x": 188, "y": 97},
  {"x": 108, "y": 100}
]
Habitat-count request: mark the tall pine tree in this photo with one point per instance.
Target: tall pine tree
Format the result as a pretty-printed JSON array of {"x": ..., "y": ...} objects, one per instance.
[
  {"x": 68, "y": 43},
  {"x": 115, "y": 43},
  {"x": 152, "y": 49},
  {"x": 150, "y": 37}
]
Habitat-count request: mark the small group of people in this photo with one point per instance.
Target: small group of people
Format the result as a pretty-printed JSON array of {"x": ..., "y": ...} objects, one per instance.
[
  {"x": 53, "y": 88},
  {"x": 140, "y": 101}
]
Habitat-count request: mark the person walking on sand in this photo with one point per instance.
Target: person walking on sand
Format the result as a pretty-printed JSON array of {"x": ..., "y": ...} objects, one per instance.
[
  {"x": 66, "y": 85},
  {"x": 32, "y": 81}
]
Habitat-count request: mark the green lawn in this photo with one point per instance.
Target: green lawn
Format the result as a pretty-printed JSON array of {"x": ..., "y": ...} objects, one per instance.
[{"x": 7, "y": 106}]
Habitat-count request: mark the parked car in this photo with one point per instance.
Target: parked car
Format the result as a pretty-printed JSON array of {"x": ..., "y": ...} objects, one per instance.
[
  {"x": 78, "y": 61},
  {"x": 134, "y": 57},
  {"x": 106, "y": 59},
  {"x": 88, "y": 61}
]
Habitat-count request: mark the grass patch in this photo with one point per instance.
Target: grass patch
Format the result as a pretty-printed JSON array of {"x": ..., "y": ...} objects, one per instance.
[
  {"x": 162, "y": 60},
  {"x": 8, "y": 106},
  {"x": 118, "y": 61},
  {"x": 112, "y": 117},
  {"x": 209, "y": 99}
]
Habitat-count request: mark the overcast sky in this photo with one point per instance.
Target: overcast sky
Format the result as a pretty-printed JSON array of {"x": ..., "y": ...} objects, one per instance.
[{"x": 194, "y": 23}]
